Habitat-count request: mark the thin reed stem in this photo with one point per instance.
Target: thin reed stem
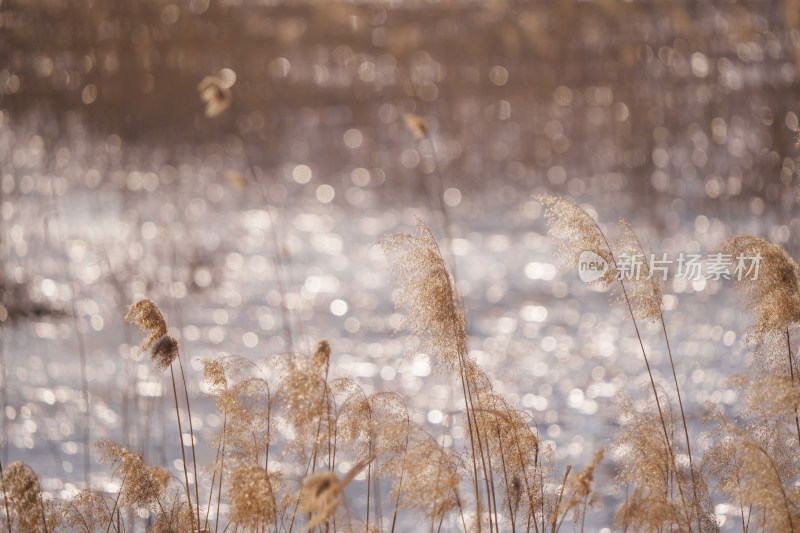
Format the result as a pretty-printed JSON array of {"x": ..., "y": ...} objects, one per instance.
[
  {"x": 438, "y": 469},
  {"x": 532, "y": 511},
  {"x": 685, "y": 426},
  {"x": 183, "y": 452},
  {"x": 277, "y": 257},
  {"x": 670, "y": 452},
  {"x": 558, "y": 501},
  {"x": 652, "y": 384},
  {"x": 116, "y": 502},
  {"x": 486, "y": 473},
  {"x": 472, "y": 447},
  {"x": 191, "y": 435},
  {"x": 402, "y": 472},
  {"x": 221, "y": 471},
  {"x": 505, "y": 476}
]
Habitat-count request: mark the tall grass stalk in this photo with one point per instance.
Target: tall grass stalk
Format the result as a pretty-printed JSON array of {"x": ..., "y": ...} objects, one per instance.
[
  {"x": 221, "y": 472},
  {"x": 183, "y": 451},
  {"x": 581, "y": 232},
  {"x": 656, "y": 304},
  {"x": 418, "y": 126},
  {"x": 191, "y": 436}
]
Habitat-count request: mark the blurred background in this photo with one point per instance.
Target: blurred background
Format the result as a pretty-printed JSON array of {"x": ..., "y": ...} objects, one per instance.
[{"x": 192, "y": 151}]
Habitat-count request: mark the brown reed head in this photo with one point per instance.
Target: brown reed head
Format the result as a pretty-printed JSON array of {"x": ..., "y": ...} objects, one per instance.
[
  {"x": 774, "y": 294},
  {"x": 164, "y": 352},
  {"x": 146, "y": 314},
  {"x": 21, "y": 485},
  {"x": 216, "y": 94},
  {"x": 143, "y": 486},
  {"x": 643, "y": 287},
  {"x": 416, "y": 124},
  {"x": 576, "y": 232},
  {"x": 320, "y": 495},
  {"x": 251, "y": 492},
  {"x": 434, "y": 314}
]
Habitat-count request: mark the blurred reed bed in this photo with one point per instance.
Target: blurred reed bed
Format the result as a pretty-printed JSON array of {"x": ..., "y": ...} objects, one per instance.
[{"x": 342, "y": 444}]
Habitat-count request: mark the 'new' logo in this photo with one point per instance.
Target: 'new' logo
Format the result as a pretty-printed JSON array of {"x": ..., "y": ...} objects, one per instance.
[{"x": 591, "y": 266}]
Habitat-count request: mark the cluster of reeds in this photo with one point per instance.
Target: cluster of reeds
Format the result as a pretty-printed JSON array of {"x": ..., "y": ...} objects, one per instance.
[
  {"x": 751, "y": 459},
  {"x": 335, "y": 434},
  {"x": 503, "y": 478}
]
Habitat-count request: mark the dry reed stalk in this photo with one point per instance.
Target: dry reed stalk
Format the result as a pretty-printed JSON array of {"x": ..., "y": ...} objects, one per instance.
[
  {"x": 577, "y": 232},
  {"x": 191, "y": 436},
  {"x": 772, "y": 293},
  {"x": 278, "y": 254},
  {"x": 22, "y": 485},
  {"x": 164, "y": 349},
  {"x": 116, "y": 502},
  {"x": 558, "y": 501},
  {"x": 435, "y": 320},
  {"x": 402, "y": 472},
  {"x": 648, "y": 304},
  {"x": 221, "y": 472},
  {"x": 180, "y": 439}
]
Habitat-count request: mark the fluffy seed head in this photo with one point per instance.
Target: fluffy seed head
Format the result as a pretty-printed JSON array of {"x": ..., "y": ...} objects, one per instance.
[
  {"x": 252, "y": 498},
  {"x": 164, "y": 352},
  {"x": 576, "y": 232},
  {"x": 21, "y": 485},
  {"x": 416, "y": 124},
  {"x": 148, "y": 317},
  {"x": 320, "y": 495},
  {"x": 774, "y": 296},
  {"x": 434, "y": 314},
  {"x": 215, "y": 93},
  {"x": 142, "y": 485},
  {"x": 643, "y": 289}
]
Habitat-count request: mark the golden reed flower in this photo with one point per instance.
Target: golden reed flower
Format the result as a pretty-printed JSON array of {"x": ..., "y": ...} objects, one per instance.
[
  {"x": 216, "y": 94},
  {"x": 416, "y": 124},
  {"x": 21, "y": 485}
]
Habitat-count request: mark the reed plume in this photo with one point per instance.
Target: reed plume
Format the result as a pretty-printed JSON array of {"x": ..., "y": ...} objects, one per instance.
[
  {"x": 652, "y": 505},
  {"x": 430, "y": 475},
  {"x": 146, "y": 314},
  {"x": 164, "y": 350},
  {"x": 320, "y": 495},
  {"x": 772, "y": 293},
  {"x": 251, "y": 491},
  {"x": 21, "y": 484},
  {"x": 575, "y": 232},
  {"x": 88, "y": 510},
  {"x": 416, "y": 124},
  {"x": 578, "y": 232},
  {"x": 757, "y": 468},
  {"x": 433, "y": 315},
  {"x": 580, "y": 491},
  {"x": 215, "y": 92},
  {"x": 142, "y": 486},
  {"x": 304, "y": 396},
  {"x": 436, "y": 323}
]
